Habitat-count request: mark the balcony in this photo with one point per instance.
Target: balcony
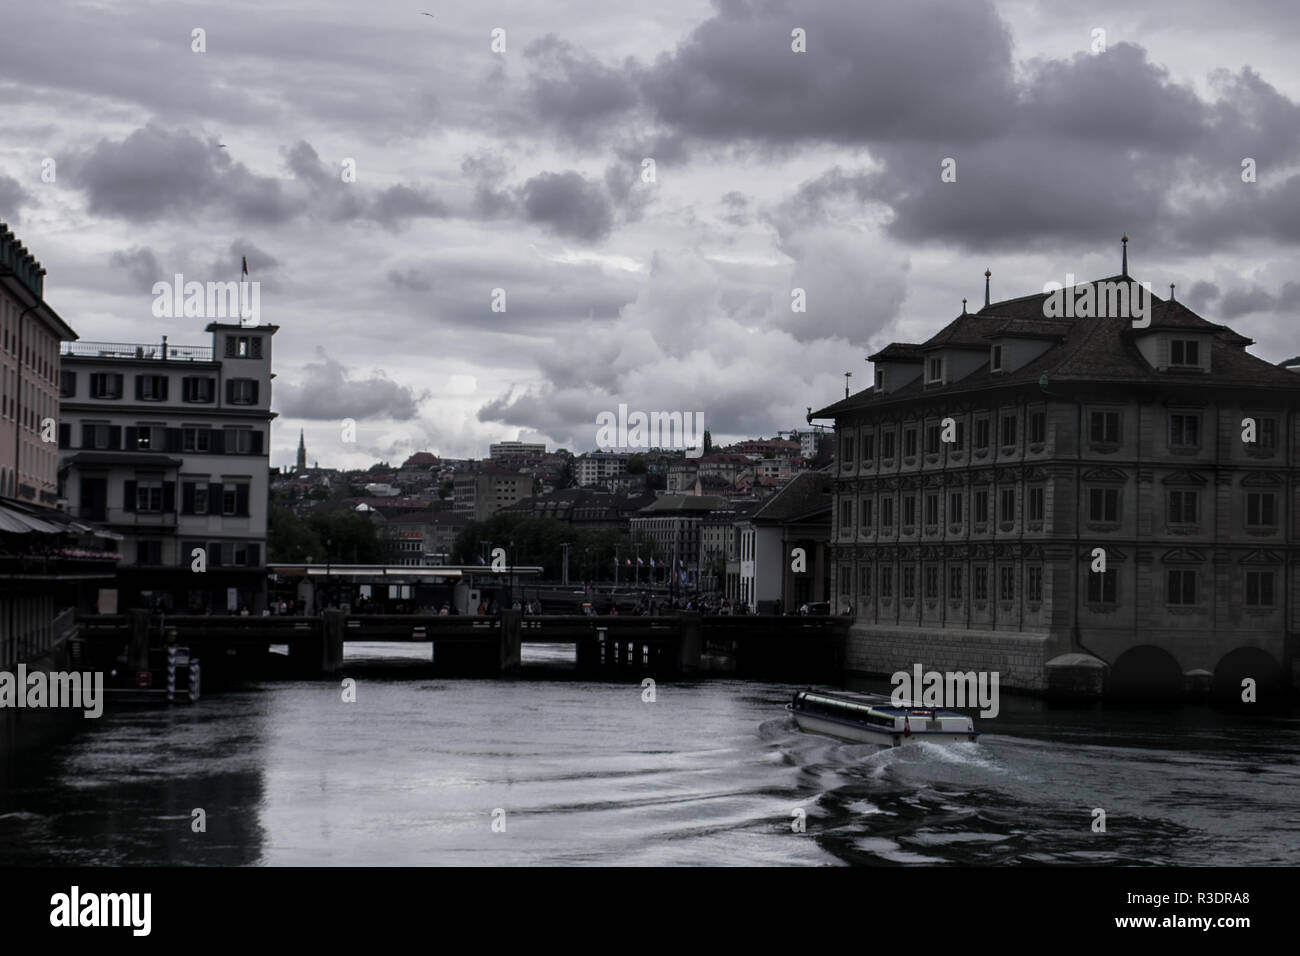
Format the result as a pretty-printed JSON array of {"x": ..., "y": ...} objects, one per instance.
[{"x": 160, "y": 352}]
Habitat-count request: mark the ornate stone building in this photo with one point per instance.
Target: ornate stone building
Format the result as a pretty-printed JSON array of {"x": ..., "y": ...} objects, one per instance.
[{"x": 989, "y": 469}]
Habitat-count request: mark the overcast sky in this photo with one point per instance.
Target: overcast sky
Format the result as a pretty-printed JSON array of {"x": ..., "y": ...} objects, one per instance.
[{"x": 522, "y": 171}]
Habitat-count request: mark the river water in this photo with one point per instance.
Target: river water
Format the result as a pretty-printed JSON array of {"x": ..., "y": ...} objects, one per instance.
[{"x": 575, "y": 772}]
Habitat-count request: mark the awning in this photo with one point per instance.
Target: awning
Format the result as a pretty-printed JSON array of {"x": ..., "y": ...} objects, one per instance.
[{"x": 14, "y": 521}]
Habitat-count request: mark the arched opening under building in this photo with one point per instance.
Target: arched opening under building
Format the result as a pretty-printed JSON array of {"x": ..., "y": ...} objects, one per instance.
[
  {"x": 1234, "y": 668},
  {"x": 1145, "y": 676}
]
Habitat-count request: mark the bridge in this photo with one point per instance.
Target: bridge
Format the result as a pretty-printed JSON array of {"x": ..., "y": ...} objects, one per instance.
[{"x": 687, "y": 645}]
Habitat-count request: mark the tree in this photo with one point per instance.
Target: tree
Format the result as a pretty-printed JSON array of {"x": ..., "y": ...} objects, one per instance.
[
  {"x": 290, "y": 539},
  {"x": 446, "y": 488},
  {"x": 636, "y": 465}
]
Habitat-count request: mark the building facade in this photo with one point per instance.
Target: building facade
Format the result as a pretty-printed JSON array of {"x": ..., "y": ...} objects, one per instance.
[
  {"x": 478, "y": 496},
  {"x": 1019, "y": 489},
  {"x": 168, "y": 446}
]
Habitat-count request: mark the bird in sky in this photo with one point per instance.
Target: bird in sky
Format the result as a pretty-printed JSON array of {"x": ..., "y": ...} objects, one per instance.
[{"x": 423, "y": 14}]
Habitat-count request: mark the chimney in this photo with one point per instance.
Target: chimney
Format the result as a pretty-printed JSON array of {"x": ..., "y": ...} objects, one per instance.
[
  {"x": 1124, "y": 241},
  {"x": 987, "y": 274},
  {"x": 1171, "y": 292}
]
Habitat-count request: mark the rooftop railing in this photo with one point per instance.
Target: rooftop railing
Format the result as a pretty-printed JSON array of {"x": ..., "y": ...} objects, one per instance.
[{"x": 127, "y": 350}]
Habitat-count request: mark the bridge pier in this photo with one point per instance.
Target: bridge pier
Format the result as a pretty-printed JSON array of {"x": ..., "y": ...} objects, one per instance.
[
  {"x": 511, "y": 641},
  {"x": 139, "y": 653},
  {"x": 690, "y": 641}
]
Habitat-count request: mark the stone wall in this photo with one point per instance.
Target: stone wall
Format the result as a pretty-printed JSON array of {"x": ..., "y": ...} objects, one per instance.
[{"x": 1019, "y": 658}]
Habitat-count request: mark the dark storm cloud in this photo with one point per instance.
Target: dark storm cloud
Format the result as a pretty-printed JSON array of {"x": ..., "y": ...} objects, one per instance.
[
  {"x": 139, "y": 266},
  {"x": 325, "y": 391},
  {"x": 873, "y": 72},
  {"x": 1201, "y": 296},
  {"x": 569, "y": 205},
  {"x": 570, "y": 90},
  {"x": 12, "y": 198},
  {"x": 410, "y": 279}
]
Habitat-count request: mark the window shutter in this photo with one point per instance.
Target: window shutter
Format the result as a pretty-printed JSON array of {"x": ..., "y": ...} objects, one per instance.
[
  {"x": 175, "y": 439},
  {"x": 218, "y": 443},
  {"x": 115, "y": 436},
  {"x": 87, "y": 436},
  {"x": 169, "y": 496},
  {"x": 165, "y": 381},
  {"x": 131, "y": 440},
  {"x": 241, "y": 500},
  {"x": 230, "y": 346},
  {"x": 254, "y": 554},
  {"x": 214, "y": 497},
  {"x": 230, "y": 389},
  {"x": 187, "y": 498},
  {"x": 65, "y": 435},
  {"x": 139, "y": 387},
  {"x": 253, "y": 398},
  {"x": 128, "y": 496},
  {"x": 257, "y": 442}
]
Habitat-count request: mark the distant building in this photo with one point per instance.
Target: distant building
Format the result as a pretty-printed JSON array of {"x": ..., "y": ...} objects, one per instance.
[
  {"x": 516, "y": 449},
  {"x": 595, "y": 467},
  {"x": 670, "y": 525},
  {"x": 302, "y": 451},
  {"x": 479, "y": 496},
  {"x": 783, "y": 545}
]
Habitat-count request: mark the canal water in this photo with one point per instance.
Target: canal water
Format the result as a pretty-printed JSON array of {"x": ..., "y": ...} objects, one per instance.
[{"x": 417, "y": 770}]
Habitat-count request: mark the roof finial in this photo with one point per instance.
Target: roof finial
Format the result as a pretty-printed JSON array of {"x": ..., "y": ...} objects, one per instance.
[
  {"x": 963, "y": 306},
  {"x": 1171, "y": 292},
  {"x": 987, "y": 274},
  {"x": 1124, "y": 239}
]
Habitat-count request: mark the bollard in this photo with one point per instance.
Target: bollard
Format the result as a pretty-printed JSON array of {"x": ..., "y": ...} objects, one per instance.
[{"x": 194, "y": 679}]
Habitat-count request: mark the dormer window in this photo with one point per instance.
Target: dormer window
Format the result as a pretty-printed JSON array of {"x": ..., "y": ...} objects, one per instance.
[
  {"x": 995, "y": 359},
  {"x": 935, "y": 375},
  {"x": 1185, "y": 353},
  {"x": 880, "y": 380}
]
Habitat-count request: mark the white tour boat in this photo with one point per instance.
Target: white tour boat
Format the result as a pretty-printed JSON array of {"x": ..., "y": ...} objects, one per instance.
[{"x": 874, "y": 719}]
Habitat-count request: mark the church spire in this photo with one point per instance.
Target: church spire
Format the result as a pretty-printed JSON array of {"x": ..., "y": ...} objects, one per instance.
[{"x": 302, "y": 451}]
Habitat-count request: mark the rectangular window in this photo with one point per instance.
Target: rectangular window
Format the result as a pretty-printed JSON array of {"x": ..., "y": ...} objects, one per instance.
[
  {"x": 149, "y": 495},
  {"x": 886, "y": 582},
  {"x": 229, "y": 500},
  {"x": 1034, "y": 584},
  {"x": 981, "y": 433},
  {"x": 239, "y": 441},
  {"x": 954, "y": 583},
  {"x": 148, "y": 552},
  {"x": 909, "y": 583},
  {"x": 1007, "y": 584},
  {"x": 887, "y": 443},
  {"x": 959, "y": 436},
  {"x": 1185, "y": 431},
  {"x": 1182, "y": 507},
  {"x": 909, "y": 443},
  {"x": 932, "y": 583},
  {"x": 866, "y": 582},
  {"x": 995, "y": 361},
  {"x": 846, "y": 581},
  {"x": 846, "y": 515},
  {"x": 1181, "y": 587},
  {"x": 932, "y": 439},
  {"x": 1008, "y": 430},
  {"x": 936, "y": 370},
  {"x": 1103, "y": 504},
  {"x": 197, "y": 389},
  {"x": 848, "y": 450},
  {"x": 887, "y": 512},
  {"x": 909, "y": 509},
  {"x": 864, "y": 513},
  {"x": 1036, "y": 498},
  {"x": 1038, "y": 428},
  {"x": 1102, "y": 586},
  {"x": 868, "y": 449},
  {"x": 242, "y": 391},
  {"x": 105, "y": 385},
  {"x": 981, "y": 584},
  {"x": 1259, "y": 588},
  {"x": 954, "y": 507},
  {"x": 1103, "y": 428},
  {"x": 196, "y": 439},
  {"x": 1260, "y": 511},
  {"x": 932, "y": 509},
  {"x": 1267, "y": 434},
  {"x": 67, "y": 384},
  {"x": 1184, "y": 352},
  {"x": 981, "y": 506},
  {"x": 151, "y": 388},
  {"x": 1007, "y": 508},
  {"x": 244, "y": 346},
  {"x": 200, "y": 498},
  {"x": 150, "y": 437}
]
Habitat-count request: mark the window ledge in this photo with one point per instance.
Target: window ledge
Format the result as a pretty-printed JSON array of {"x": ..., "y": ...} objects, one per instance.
[
  {"x": 1102, "y": 608},
  {"x": 1102, "y": 526},
  {"x": 1104, "y": 447}
]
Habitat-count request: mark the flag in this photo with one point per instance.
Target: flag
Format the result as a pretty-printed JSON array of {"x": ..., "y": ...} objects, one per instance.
[
  {"x": 245, "y": 258},
  {"x": 480, "y": 560},
  {"x": 641, "y": 564},
  {"x": 629, "y": 562}
]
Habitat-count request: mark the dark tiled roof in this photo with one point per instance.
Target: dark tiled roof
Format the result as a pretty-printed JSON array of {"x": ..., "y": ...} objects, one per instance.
[
  {"x": 808, "y": 493},
  {"x": 1094, "y": 349},
  {"x": 898, "y": 352},
  {"x": 682, "y": 503}
]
